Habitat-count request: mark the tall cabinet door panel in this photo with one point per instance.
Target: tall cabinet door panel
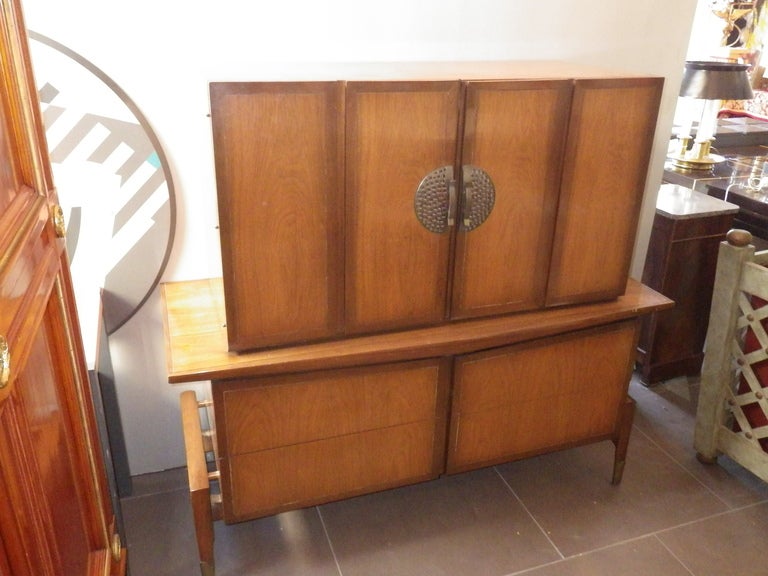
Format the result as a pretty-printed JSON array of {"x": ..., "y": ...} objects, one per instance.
[
  {"x": 278, "y": 154},
  {"x": 396, "y": 269},
  {"x": 55, "y": 512},
  {"x": 48, "y": 437},
  {"x": 609, "y": 145},
  {"x": 515, "y": 133}
]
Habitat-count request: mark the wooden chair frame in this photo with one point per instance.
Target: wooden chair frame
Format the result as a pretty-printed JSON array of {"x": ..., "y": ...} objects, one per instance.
[{"x": 731, "y": 392}]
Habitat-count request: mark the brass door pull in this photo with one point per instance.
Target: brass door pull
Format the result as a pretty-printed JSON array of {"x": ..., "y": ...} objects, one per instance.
[
  {"x": 436, "y": 201},
  {"x": 5, "y": 363},
  {"x": 478, "y": 197},
  {"x": 452, "y": 203},
  {"x": 57, "y": 216}
]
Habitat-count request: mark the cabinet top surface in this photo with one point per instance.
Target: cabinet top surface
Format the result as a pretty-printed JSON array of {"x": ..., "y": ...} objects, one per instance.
[
  {"x": 679, "y": 202},
  {"x": 196, "y": 335},
  {"x": 447, "y": 70}
]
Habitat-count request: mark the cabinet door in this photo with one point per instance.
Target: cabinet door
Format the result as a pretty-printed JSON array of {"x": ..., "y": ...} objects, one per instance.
[
  {"x": 517, "y": 401},
  {"x": 300, "y": 440},
  {"x": 55, "y": 515},
  {"x": 515, "y": 132},
  {"x": 50, "y": 461},
  {"x": 396, "y": 269},
  {"x": 606, "y": 160},
  {"x": 278, "y": 154}
]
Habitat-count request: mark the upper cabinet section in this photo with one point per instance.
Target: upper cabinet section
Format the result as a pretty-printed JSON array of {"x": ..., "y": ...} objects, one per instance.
[{"x": 352, "y": 207}]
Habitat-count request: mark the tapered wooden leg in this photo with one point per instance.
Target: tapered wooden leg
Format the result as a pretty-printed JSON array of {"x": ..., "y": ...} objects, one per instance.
[
  {"x": 207, "y": 569},
  {"x": 199, "y": 481},
  {"x": 201, "y": 512},
  {"x": 621, "y": 438}
]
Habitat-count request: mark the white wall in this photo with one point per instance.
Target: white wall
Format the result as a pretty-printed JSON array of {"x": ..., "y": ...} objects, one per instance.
[{"x": 163, "y": 54}]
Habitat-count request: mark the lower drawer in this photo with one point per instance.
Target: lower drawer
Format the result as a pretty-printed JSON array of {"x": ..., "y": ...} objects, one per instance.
[
  {"x": 299, "y": 440},
  {"x": 266, "y": 482},
  {"x": 531, "y": 398}
]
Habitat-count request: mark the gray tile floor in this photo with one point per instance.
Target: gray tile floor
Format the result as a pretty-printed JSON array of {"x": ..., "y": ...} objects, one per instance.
[{"x": 553, "y": 515}]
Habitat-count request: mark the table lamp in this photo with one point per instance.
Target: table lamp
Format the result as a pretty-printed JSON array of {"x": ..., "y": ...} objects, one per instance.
[{"x": 711, "y": 82}]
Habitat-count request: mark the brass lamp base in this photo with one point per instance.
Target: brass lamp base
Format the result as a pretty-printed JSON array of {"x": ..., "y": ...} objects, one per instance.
[
  {"x": 698, "y": 158},
  {"x": 699, "y": 164}
]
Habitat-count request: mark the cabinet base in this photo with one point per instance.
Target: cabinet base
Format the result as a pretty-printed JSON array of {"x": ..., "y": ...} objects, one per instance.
[{"x": 654, "y": 373}]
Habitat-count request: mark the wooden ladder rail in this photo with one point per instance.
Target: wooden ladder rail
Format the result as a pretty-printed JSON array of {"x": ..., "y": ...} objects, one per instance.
[{"x": 206, "y": 507}]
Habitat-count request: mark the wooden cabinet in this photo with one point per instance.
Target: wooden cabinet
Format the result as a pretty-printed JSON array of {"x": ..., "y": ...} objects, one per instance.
[
  {"x": 681, "y": 261},
  {"x": 352, "y": 207},
  {"x": 283, "y": 439},
  {"x": 399, "y": 248},
  {"x": 55, "y": 511},
  {"x": 301, "y": 425}
]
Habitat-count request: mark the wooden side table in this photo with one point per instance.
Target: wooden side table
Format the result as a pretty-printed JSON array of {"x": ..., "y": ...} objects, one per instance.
[{"x": 680, "y": 263}]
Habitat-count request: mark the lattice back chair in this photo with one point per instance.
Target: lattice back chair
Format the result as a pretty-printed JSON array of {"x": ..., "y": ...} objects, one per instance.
[{"x": 732, "y": 415}]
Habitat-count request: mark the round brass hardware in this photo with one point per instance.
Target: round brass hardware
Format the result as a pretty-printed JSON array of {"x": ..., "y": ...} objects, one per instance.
[
  {"x": 116, "y": 548},
  {"x": 435, "y": 200},
  {"x": 57, "y": 215},
  {"x": 5, "y": 363},
  {"x": 479, "y": 196}
]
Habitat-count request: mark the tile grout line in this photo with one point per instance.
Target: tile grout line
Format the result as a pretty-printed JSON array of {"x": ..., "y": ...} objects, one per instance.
[
  {"x": 682, "y": 467},
  {"x": 328, "y": 539},
  {"x": 680, "y": 464},
  {"x": 710, "y": 517},
  {"x": 530, "y": 514},
  {"x": 160, "y": 492},
  {"x": 649, "y": 535},
  {"x": 655, "y": 534},
  {"x": 729, "y": 508},
  {"x": 675, "y": 556},
  {"x": 585, "y": 553}
]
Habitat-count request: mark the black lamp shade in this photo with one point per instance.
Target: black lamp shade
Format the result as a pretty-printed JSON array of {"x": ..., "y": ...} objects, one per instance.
[{"x": 716, "y": 81}]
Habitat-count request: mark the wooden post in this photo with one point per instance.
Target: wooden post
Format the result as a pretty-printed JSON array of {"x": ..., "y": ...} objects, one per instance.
[
  {"x": 199, "y": 482},
  {"x": 716, "y": 372}
]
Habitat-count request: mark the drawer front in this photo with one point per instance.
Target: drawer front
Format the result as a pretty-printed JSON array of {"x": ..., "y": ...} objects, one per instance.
[
  {"x": 703, "y": 227},
  {"x": 309, "y": 438},
  {"x": 530, "y": 398},
  {"x": 269, "y": 481}
]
